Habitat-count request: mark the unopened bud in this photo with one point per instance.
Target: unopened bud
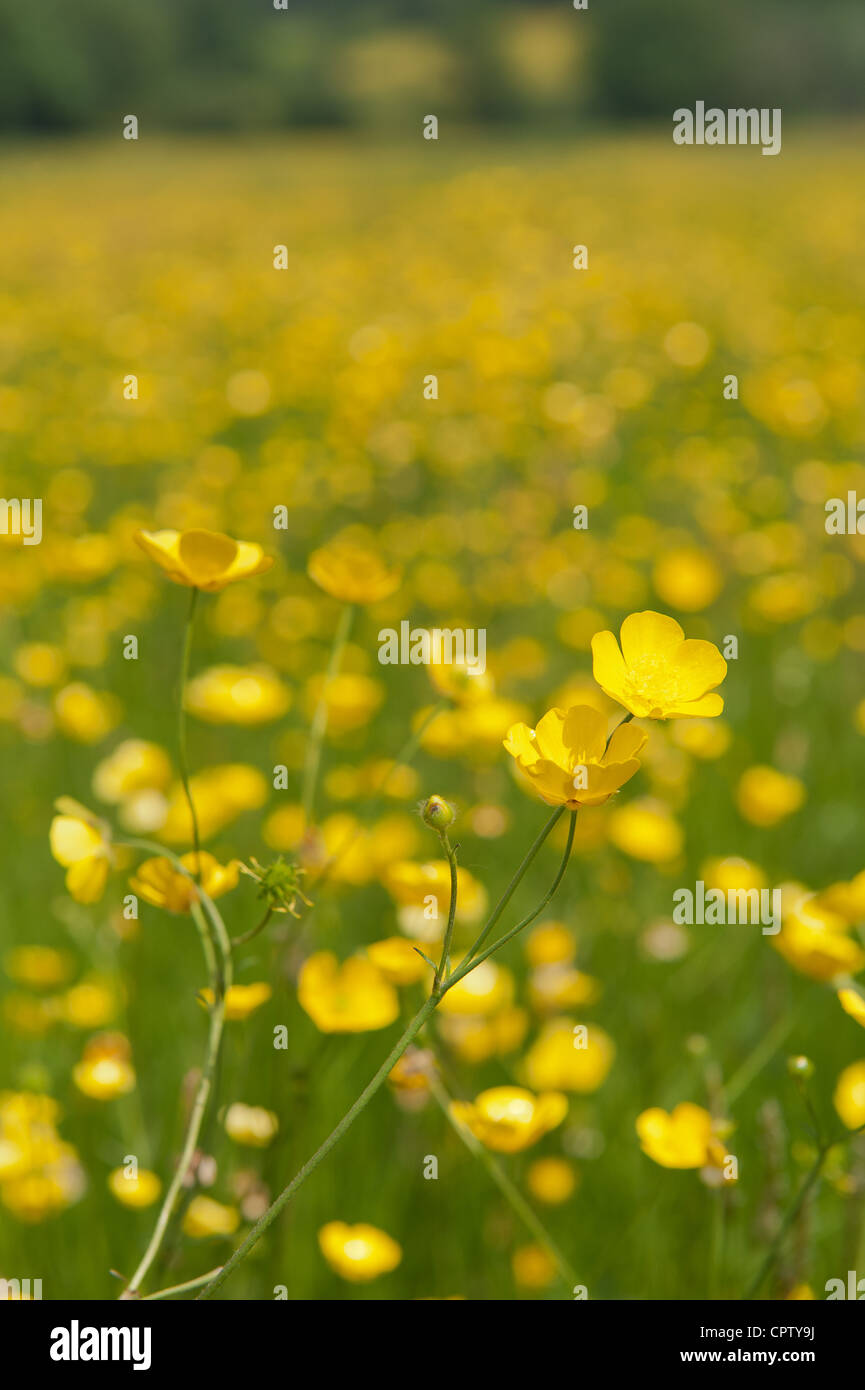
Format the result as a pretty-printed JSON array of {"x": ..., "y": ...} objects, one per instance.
[
  {"x": 437, "y": 813},
  {"x": 800, "y": 1066}
]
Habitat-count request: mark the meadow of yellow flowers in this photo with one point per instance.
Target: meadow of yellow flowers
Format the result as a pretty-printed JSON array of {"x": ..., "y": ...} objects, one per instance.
[{"x": 330, "y": 978}]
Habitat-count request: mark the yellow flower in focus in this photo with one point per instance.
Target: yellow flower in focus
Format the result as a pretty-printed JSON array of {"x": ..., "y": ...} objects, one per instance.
[
  {"x": 79, "y": 842},
  {"x": 765, "y": 796},
  {"x": 205, "y": 1217},
  {"x": 569, "y": 1057},
  {"x": 240, "y": 1000},
  {"x": 508, "y": 1119},
  {"x": 348, "y": 568},
  {"x": 849, "y": 1097},
  {"x": 658, "y": 674},
  {"x": 645, "y": 830},
  {"x": 350, "y": 998},
  {"x": 532, "y": 1267},
  {"x": 398, "y": 960},
  {"x": 251, "y": 1125},
  {"x": 237, "y": 695},
  {"x": 685, "y": 1138},
  {"x": 159, "y": 883},
  {"x": 40, "y": 967},
  {"x": 136, "y": 1192},
  {"x": 358, "y": 1253},
  {"x": 85, "y": 714},
  {"x": 852, "y": 1001},
  {"x": 567, "y": 760},
  {"x": 203, "y": 559},
  {"x": 551, "y": 1180}
]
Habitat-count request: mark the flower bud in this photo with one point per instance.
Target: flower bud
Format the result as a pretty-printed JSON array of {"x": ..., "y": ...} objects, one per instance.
[
  {"x": 437, "y": 813},
  {"x": 800, "y": 1066}
]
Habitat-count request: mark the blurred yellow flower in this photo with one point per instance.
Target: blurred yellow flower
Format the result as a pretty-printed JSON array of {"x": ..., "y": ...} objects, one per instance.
[
  {"x": 40, "y": 967},
  {"x": 550, "y": 943},
  {"x": 533, "y": 1267},
  {"x": 92, "y": 1003},
  {"x": 398, "y": 960},
  {"x": 684, "y": 1138},
  {"x": 220, "y": 794},
  {"x": 137, "y": 1192},
  {"x": 158, "y": 882},
  {"x": 816, "y": 942},
  {"x": 551, "y": 1180},
  {"x": 509, "y": 1119},
  {"x": 135, "y": 765},
  {"x": 569, "y": 1057},
  {"x": 645, "y": 830},
  {"x": 484, "y": 991},
  {"x": 358, "y": 1253},
  {"x": 206, "y": 1217},
  {"x": 852, "y": 1001},
  {"x": 105, "y": 1070},
  {"x": 658, "y": 674},
  {"x": 237, "y": 695},
  {"x": 39, "y": 664},
  {"x": 204, "y": 560},
  {"x": 79, "y": 842},
  {"x": 765, "y": 796},
  {"x": 240, "y": 1000},
  {"x": 250, "y": 1124},
  {"x": 849, "y": 1097},
  {"x": 350, "y": 998},
  {"x": 85, "y": 714},
  {"x": 350, "y": 569},
  {"x": 567, "y": 759}
]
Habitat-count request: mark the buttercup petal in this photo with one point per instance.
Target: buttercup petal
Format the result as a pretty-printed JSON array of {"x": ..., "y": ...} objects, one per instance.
[{"x": 649, "y": 634}]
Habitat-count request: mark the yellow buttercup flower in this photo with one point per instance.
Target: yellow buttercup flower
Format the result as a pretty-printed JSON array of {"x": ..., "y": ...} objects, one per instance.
[
  {"x": 817, "y": 942},
  {"x": 158, "y": 882},
  {"x": 567, "y": 760},
  {"x": 645, "y": 830},
  {"x": 358, "y": 1253},
  {"x": 348, "y": 568},
  {"x": 565, "y": 1058},
  {"x": 550, "y": 943},
  {"x": 509, "y": 1119},
  {"x": 204, "y": 560},
  {"x": 40, "y": 967},
  {"x": 220, "y": 794},
  {"x": 237, "y": 695},
  {"x": 134, "y": 766},
  {"x": 765, "y": 796},
  {"x": 658, "y": 674},
  {"x": 205, "y": 1217},
  {"x": 79, "y": 841},
  {"x": 136, "y": 1192},
  {"x": 250, "y": 1124},
  {"x": 85, "y": 714},
  {"x": 350, "y": 998},
  {"x": 105, "y": 1070},
  {"x": 551, "y": 1180},
  {"x": 849, "y": 1097},
  {"x": 486, "y": 990},
  {"x": 398, "y": 960},
  {"x": 852, "y": 1001},
  {"x": 240, "y": 1000},
  {"x": 685, "y": 1138}
]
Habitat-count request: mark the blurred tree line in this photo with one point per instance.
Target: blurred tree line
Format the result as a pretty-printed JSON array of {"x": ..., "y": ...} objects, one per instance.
[{"x": 68, "y": 65}]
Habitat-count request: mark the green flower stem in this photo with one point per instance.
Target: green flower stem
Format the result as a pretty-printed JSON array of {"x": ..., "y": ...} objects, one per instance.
[
  {"x": 182, "y": 1288},
  {"x": 196, "y": 1115},
  {"x": 182, "y": 757},
  {"x": 627, "y": 719},
  {"x": 318, "y": 728},
  {"x": 789, "y": 1217},
  {"x": 445, "y": 963},
  {"x": 512, "y": 886},
  {"x": 508, "y": 1189},
  {"x": 253, "y": 932},
  {"x": 469, "y": 964},
  {"x": 411, "y": 1032}
]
